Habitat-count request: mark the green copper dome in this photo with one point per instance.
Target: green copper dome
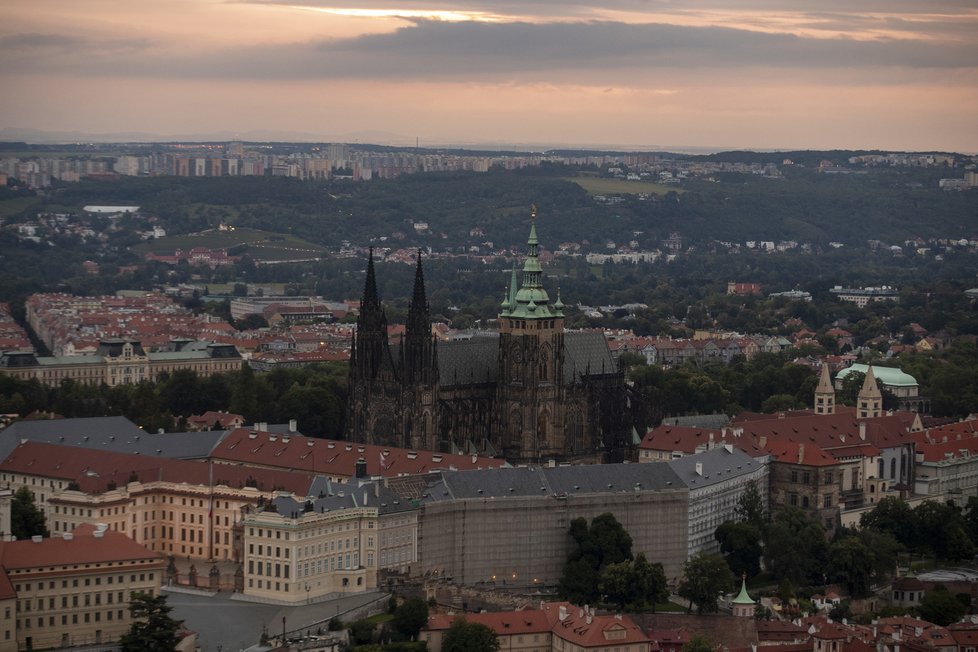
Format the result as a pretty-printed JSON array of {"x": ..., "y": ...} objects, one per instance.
[{"x": 531, "y": 301}]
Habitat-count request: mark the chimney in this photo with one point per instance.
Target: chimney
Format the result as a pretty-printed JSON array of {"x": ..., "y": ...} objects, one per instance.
[
  {"x": 862, "y": 430},
  {"x": 801, "y": 453},
  {"x": 699, "y": 468},
  {"x": 37, "y": 538},
  {"x": 361, "y": 468},
  {"x": 67, "y": 536},
  {"x": 293, "y": 425},
  {"x": 563, "y": 613}
]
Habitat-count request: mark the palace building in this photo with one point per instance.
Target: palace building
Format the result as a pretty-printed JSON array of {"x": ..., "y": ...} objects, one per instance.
[{"x": 531, "y": 391}]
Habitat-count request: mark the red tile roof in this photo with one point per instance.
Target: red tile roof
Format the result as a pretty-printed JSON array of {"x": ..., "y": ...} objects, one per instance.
[
  {"x": 84, "y": 548},
  {"x": 505, "y": 623},
  {"x": 601, "y": 631},
  {"x": 337, "y": 458},
  {"x": 97, "y": 471}
]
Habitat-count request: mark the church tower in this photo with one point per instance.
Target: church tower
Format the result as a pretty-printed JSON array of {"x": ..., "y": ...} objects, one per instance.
[
  {"x": 869, "y": 403},
  {"x": 419, "y": 370},
  {"x": 825, "y": 393},
  {"x": 370, "y": 366},
  {"x": 529, "y": 414}
]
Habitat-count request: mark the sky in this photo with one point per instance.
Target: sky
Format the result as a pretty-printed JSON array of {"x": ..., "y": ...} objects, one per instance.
[{"x": 630, "y": 74}]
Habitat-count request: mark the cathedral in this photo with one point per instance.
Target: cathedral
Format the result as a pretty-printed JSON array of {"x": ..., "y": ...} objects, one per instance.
[{"x": 531, "y": 392}]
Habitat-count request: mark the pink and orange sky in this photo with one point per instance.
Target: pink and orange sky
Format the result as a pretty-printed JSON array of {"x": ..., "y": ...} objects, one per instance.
[{"x": 888, "y": 74}]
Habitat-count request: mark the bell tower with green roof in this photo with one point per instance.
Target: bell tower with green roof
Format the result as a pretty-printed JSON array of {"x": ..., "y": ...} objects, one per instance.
[{"x": 531, "y": 360}]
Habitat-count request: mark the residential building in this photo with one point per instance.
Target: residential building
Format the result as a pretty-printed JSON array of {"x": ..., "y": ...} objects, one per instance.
[
  {"x": 554, "y": 627},
  {"x": 73, "y": 589},
  {"x": 862, "y": 296},
  {"x": 301, "y": 550},
  {"x": 121, "y": 362}
]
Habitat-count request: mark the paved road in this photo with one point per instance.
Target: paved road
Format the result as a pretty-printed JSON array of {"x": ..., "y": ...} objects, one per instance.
[{"x": 226, "y": 625}]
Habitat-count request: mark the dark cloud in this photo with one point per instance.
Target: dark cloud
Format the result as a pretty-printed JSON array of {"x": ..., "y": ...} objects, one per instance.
[
  {"x": 433, "y": 50},
  {"x": 34, "y": 44}
]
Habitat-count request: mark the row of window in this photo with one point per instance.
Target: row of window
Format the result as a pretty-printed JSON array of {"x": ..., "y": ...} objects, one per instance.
[
  {"x": 88, "y": 599},
  {"x": 827, "y": 501},
  {"x": 87, "y": 617},
  {"x": 88, "y": 581}
]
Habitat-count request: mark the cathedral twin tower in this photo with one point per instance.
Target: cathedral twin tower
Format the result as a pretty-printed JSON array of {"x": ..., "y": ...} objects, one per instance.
[{"x": 530, "y": 392}]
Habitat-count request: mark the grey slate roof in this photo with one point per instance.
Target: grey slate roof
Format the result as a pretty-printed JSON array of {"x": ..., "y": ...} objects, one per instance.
[
  {"x": 698, "y": 421},
  {"x": 476, "y": 360},
  {"x": 468, "y": 362},
  {"x": 115, "y": 434},
  {"x": 587, "y": 351},
  {"x": 718, "y": 465},
  {"x": 332, "y": 496}
]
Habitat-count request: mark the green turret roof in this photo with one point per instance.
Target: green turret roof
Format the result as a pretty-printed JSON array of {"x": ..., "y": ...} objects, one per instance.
[
  {"x": 743, "y": 597},
  {"x": 530, "y": 301}
]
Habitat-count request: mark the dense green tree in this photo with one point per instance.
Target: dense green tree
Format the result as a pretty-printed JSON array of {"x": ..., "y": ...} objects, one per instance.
[
  {"x": 698, "y": 643},
  {"x": 795, "y": 547},
  {"x": 740, "y": 544},
  {"x": 894, "y": 516},
  {"x": 649, "y": 583},
  {"x": 152, "y": 630},
  {"x": 362, "y": 631},
  {"x": 579, "y": 582},
  {"x": 26, "y": 519},
  {"x": 409, "y": 618},
  {"x": 244, "y": 394},
  {"x": 750, "y": 507},
  {"x": 705, "y": 577},
  {"x": 463, "y": 636},
  {"x": 617, "y": 584},
  {"x": 940, "y": 607},
  {"x": 602, "y": 543},
  {"x": 851, "y": 563}
]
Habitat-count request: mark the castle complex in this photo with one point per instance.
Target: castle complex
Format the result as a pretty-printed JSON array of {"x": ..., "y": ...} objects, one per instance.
[{"x": 530, "y": 392}]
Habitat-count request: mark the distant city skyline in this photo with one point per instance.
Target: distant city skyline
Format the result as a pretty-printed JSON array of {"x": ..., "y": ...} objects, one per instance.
[{"x": 629, "y": 74}]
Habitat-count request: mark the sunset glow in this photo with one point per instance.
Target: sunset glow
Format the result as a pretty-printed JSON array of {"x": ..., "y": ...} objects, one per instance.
[{"x": 867, "y": 73}]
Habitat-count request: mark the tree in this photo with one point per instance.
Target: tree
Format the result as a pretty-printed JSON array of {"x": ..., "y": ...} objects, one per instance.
[
  {"x": 940, "y": 607},
  {"x": 750, "y": 507},
  {"x": 464, "y": 636},
  {"x": 705, "y": 577},
  {"x": 409, "y": 618},
  {"x": 649, "y": 581},
  {"x": 579, "y": 583},
  {"x": 892, "y": 515},
  {"x": 698, "y": 643},
  {"x": 152, "y": 628},
  {"x": 26, "y": 519},
  {"x": 795, "y": 547},
  {"x": 617, "y": 583},
  {"x": 605, "y": 542},
  {"x": 741, "y": 545},
  {"x": 851, "y": 563}
]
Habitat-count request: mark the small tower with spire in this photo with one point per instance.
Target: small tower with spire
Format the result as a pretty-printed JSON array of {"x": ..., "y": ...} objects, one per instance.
[
  {"x": 743, "y": 605},
  {"x": 825, "y": 393},
  {"x": 869, "y": 403}
]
